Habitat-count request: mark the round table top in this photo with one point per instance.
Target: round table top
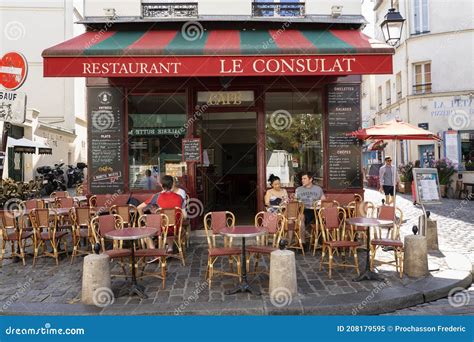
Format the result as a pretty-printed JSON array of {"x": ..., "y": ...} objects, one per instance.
[
  {"x": 131, "y": 233},
  {"x": 242, "y": 231},
  {"x": 368, "y": 221}
]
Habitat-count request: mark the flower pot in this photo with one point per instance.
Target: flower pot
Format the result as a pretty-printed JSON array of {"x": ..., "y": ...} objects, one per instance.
[
  {"x": 442, "y": 189},
  {"x": 404, "y": 188}
]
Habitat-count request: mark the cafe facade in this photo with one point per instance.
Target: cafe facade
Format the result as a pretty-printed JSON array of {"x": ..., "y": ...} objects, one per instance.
[{"x": 224, "y": 108}]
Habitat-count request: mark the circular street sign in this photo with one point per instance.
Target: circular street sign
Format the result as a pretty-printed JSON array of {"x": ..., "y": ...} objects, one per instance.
[{"x": 13, "y": 70}]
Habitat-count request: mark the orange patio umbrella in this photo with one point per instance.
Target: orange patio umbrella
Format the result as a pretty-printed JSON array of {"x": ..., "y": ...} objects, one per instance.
[{"x": 394, "y": 130}]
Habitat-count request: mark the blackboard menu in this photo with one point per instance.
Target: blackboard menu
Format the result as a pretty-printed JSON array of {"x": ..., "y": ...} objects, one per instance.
[
  {"x": 344, "y": 152},
  {"x": 106, "y": 139},
  {"x": 192, "y": 150}
]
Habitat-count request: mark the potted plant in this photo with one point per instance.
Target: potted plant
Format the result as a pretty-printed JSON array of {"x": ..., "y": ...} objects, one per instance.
[
  {"x": 469, "y": 166},
  {"x": 446, "y": 169},
  {"x": 406, "y": 177}
]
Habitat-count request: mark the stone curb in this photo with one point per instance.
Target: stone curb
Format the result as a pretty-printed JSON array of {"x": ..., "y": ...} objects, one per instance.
[{"x": 382, "y": 299}]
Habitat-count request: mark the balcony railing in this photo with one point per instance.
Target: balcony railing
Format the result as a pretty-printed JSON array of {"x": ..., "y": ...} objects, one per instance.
[
  {"x": 422, "y": 88},
  {"x": 170, "y": 10},
  {"x": 278, "y": 9}
]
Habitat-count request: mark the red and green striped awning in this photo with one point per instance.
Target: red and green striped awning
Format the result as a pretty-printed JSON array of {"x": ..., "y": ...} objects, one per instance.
[{"x": 218, "y": 53}]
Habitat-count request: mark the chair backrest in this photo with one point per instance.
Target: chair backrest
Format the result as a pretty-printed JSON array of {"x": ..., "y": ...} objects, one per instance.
[
  {"x": 34, "y": 203},
  {"x": 327, "y": 203},
  {"x": 175, "y": 216},
  {"x": 81, "y": 216},
  {"x": 57, "y": 194},
  {"x": 128, "y": 213},
  {"x": 388, "y": 212},
  {"x": 294, "y": 210},
  {"x": 65, "y": 202},
  {"x": 333, "y": 223},
  {"x": 357, "y": 198},
  {"x": 103, "y": 224},
  {"x": 42, "y": 218},
  {"x": 158, "y": 221},
  {"x": 271, "y": 222},
  {"x": 8, "y": 221},
  {"x": 214, "y": 222}
]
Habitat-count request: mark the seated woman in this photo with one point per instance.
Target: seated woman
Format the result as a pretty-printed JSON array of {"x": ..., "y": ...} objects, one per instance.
[{"x": 275, "y": 196}]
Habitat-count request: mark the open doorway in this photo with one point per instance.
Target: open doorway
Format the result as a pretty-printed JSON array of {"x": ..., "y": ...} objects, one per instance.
[{"x": 227, "y": 178}]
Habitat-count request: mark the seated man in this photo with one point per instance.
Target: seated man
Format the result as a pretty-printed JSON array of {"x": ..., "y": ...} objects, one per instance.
[
  {"x": 166, "y": 199},
  {"x": 308, "y": 193}
]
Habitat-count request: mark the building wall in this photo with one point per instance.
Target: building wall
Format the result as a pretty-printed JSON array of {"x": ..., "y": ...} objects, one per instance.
[
  {"x": 132, "y": 8},
  {"x": 28, "y": 26},
  {"x": 448, "y": 47}
]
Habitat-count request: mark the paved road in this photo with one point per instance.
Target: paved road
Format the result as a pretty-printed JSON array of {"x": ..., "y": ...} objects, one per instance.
[{"x": 455, "y": 234}]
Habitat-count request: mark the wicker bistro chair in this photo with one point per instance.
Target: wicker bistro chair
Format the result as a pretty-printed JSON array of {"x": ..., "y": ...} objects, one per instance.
[
  {"x": 335, "y": 237},
  {"x": 65, "y": 202},
  {"x": 45, "y": 228},
  {"x": 361, "y": 209},
  {"x": 128, "y": 213},
  {"x": 392, "y": 241},
  {"x": 273, "y": 224},
  {"x": 13, "y": 233},
  {"x": 81, "y": 230},
  {"x": 103, "y": 224},
  {"x": 214, "y": 222},
  {"x": 160, "y": 222},
  {"x": 293, "y": 213},
  {"x": 176, "y": 233},
  {"x": 316, "y": 231}
]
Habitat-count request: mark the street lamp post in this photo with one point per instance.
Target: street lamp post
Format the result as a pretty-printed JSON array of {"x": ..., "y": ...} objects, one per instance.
[{"x": 392, "y": 26}]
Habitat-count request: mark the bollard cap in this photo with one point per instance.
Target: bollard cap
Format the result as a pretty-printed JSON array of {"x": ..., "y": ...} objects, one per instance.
[
  {"x": 282, "y": 244},
  {"x": 414, "y": 230}
]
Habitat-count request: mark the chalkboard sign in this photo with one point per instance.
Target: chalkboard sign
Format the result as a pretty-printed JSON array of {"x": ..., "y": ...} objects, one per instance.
[
  {"x": 106, "y": 140},
  {"x": 344, "y": 153},
  {"x": 427, "y": 186},
  {"x": 192, "y": 150}
]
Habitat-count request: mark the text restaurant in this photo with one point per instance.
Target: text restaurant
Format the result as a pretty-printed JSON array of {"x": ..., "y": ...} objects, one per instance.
[{"x": 221, "y": 108}]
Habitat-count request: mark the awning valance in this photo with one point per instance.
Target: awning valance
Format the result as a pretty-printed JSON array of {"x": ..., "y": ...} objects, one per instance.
[
  {"x": 24, "y": 145},
  {"x": 218, "y": 53}
]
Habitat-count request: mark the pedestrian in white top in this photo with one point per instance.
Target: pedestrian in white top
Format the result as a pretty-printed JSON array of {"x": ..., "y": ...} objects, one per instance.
[{"x": 386, "y": 173}]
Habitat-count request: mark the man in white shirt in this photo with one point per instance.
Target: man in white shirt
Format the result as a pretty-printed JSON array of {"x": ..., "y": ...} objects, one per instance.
[{"x": 386, "y": 173}]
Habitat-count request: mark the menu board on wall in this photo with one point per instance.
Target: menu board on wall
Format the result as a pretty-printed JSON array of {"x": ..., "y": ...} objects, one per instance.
[
  {"x": 344, "y": 158},
  {"x": 192, "y": 150},
  {"x": 106, "y": 165}
]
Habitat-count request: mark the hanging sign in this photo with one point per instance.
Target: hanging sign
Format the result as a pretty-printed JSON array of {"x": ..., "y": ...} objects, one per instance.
[{"x": 192, "y": 150}]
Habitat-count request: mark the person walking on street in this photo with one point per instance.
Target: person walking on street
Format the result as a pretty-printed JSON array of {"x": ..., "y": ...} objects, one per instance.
[{"x": 386, "y": 173}]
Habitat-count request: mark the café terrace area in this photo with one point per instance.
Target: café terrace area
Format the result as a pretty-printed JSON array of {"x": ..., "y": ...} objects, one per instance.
[{"x": 55, "y": 288}]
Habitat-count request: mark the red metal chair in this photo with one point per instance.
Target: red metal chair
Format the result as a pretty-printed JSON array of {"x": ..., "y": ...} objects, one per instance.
[
  {"x": 214, "y": 222},
  {"x": 160, "y": 222},
  {"x": 11, "y": 233}
]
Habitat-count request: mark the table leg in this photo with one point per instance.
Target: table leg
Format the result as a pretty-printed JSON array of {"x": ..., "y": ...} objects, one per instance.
[
  {"x": 135, "y": 289},
  {"x": 368, "y": 274},
  {"x": 244, "y": 286}
]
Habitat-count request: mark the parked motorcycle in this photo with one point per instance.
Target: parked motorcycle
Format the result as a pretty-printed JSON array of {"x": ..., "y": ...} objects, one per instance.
[
  {"x": 75, "y": 175},
  {"x": 53, "y": 178}
]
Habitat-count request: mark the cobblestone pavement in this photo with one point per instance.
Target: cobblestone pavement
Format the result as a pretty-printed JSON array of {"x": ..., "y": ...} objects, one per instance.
[
  {"x": 48, "y": 284},
  {"x": 455, "y": 221}
]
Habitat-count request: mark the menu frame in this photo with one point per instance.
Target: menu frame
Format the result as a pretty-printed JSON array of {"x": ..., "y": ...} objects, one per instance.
[{"x": 418, "y": 173}]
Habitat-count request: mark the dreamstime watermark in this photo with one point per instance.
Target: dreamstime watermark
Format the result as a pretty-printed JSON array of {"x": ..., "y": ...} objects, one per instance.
[
  {"x": 192, "y": 298},
  {"x": 14, "y": 207},
  {"x": 192, "y": 30},
  {"x": 108, "y": 202},
  {"x": 371, "y": 296},
  {"x": 99, "y": 34},
  {"x": 200, "y": 110},
  {"x": 462, "y": 204},
  {"x": 275, "y": 35},
  {"x": 102, "y": 119},
  {"x": 47, "y": 329},
  {"x": 281, "y": 119},
  {"x": 102, "y": 297},
  {"x": 14, "y": 30},
  {"x": 22, "y": 288},
  {"x": 459, "y": 119},
  {"x": 281, "y": 297},
  {"x": 458, "y": 297},
  {"x": 194, "y": 208}
]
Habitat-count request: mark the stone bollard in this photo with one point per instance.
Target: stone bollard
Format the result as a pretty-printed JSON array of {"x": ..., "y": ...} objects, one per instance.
[
  {"x": 96, "y": 288},
  {"x": 283, "y": 287},
  {"x": 415, "y": 259},
  {"x": 430, "y": 230}
]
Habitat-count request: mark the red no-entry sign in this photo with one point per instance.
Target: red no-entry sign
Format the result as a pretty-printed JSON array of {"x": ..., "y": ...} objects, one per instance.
[{"x": 13, "y": 70}]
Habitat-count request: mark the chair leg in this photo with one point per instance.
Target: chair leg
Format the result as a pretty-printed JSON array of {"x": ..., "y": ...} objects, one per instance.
[
  {"x": 323, "y": 254},
  {"x": 330, "y": 262},
  {"x": 55, "y": 251},
  {"x": 163, "y": 272},
  {"x": 356, "y": 261},
  {"x": 373, "y": 250},
  {"x": 22, "y": 251},
  {"x": 3, "y": 250}
]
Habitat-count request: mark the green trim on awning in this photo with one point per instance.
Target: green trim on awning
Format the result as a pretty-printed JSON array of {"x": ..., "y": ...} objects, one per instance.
[
  {"x": 257, "y": 43},
  {"x": 184, "y": 44},
  {"x": 326, "y": 42},
  {"x": 115, "y": 44}
]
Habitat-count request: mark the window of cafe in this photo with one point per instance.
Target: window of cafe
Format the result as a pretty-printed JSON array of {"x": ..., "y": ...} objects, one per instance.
[
  {"x": 294, "y": 135},
  {"x": 155, "y": 134}
]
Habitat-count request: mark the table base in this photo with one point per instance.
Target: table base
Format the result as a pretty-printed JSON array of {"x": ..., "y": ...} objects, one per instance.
[
  {"x": 368, "y": 275},
  {"x": 133, "y": 290},
  {"x": 244, "y": 287}
]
